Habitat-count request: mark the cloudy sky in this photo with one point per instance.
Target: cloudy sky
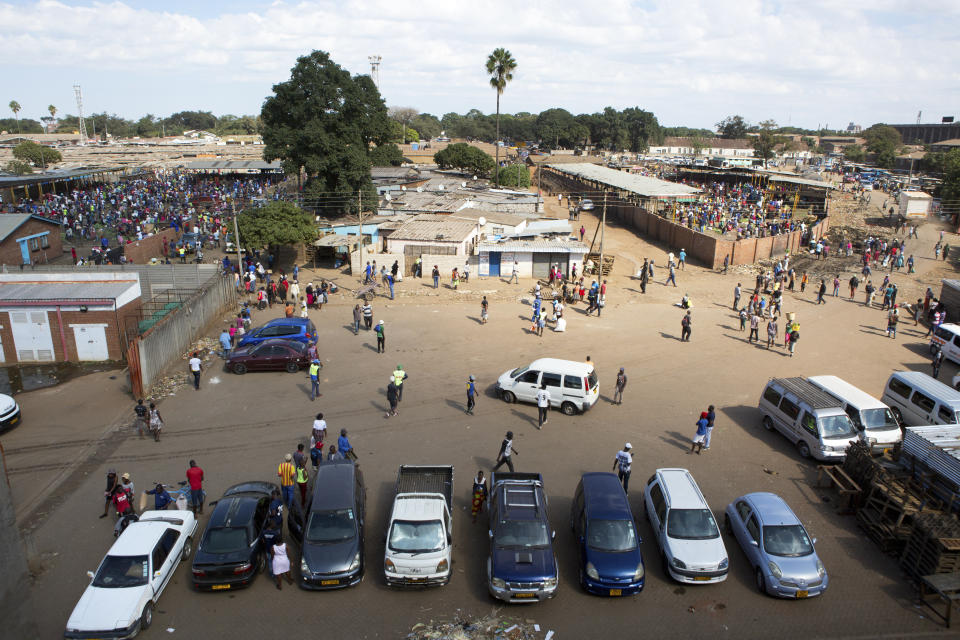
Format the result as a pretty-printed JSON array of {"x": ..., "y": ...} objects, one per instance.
[{"x": 692, "y": 62}]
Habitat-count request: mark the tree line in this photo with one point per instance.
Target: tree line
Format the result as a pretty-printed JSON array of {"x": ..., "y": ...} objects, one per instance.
[{"x": 149, "y": 126}]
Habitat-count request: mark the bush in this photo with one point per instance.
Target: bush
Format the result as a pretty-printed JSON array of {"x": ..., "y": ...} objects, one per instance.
[
  {"x": 465, "y": 157},
  {"x": 515, "y": 175},
  {"x": 18, "y": 168},
  {"x": 36, "y": 154}
]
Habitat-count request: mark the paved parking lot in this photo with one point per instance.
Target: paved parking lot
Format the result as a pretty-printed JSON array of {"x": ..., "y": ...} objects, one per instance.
[{"x": 238, "y": 428}]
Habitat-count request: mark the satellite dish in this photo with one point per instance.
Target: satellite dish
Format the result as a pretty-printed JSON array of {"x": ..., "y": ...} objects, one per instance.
[
  {"x": 387, "y": 196},
  {"x": 474, "y": 177},
  {"x": 318, "y": 218},
  {"x": 403, "y": 188},
  {"x": 463, "y": 184},
  {"x": 440, "y": 187},
  {"x": 419, "y": 189},
  {"x": 481, "y": 221}
]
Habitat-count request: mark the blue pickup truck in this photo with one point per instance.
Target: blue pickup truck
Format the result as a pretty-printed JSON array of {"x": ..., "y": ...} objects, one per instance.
[{"x": 522, "y": 567}]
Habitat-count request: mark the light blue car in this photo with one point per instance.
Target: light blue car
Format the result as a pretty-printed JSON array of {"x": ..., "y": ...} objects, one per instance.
[{"x": 784, "y": 561}]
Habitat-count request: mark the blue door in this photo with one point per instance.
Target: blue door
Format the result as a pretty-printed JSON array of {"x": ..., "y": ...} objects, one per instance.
[
  {"x": 24, "y": 251},
  {"x": 495, "y": 264}
]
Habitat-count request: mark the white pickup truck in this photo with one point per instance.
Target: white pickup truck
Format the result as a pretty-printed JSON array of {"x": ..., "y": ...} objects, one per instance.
[{"x": 420, "y": 535}]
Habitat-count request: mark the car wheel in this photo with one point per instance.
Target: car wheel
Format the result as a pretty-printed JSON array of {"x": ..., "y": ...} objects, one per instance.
[
  {"x": 727, "y": 526},
  {"x": 761, "y": 581},
  {"x": 146, "y": 618},
  {"x": 804, "y": 449},
  {"x": 239, "y": 368},
  {"x": 292, "y": 367},
  {"x": 568, "y": 409},
  {"x": 933, "y": 348},
  {"x": 187, "y": 548},
  {"x": 508, "y": 397},
  {"x": 767, "y": 423}
]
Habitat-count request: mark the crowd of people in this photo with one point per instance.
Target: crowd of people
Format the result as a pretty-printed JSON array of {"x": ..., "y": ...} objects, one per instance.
[{"x": 742, "y": 210}]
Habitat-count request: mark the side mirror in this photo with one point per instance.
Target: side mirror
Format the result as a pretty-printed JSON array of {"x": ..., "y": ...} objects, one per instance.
[
  {"x": 489, "y": 534},
  {"x": 156, "y": 574},
  {"x": 553, "y": 535},
  {"x": 814, "y": 541},
  {"x": 90, "y": 574},
  {"x": 754, "y": 543}
]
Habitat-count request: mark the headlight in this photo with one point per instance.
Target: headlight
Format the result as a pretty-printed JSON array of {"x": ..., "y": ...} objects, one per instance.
[
  {"x": 389, "y": 566},
  {"x": 550, "y": 583},
  {"x": 639, "y": 572},
  {"x": 775, "y": 570},
  {"x": 355, "y": 564},
  {"x": 724, "y": 563},
  {"x": 678, "y": 563},
  {"x": 442, "y": 566},
  {"x": 820, "y": 570},
  {"x": 592, "y": 571},
  {"x": 498, "y": 583},
  {"x": 304, "y": 567}
]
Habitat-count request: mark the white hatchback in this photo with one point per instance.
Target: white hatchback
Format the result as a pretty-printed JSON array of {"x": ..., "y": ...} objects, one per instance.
[
  {"x": 119, "y": 601},
  {"x": 572, "y": 385}
]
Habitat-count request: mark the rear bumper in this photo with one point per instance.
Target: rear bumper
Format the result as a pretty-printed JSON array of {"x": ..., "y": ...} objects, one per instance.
[{"x": 11, "y": 420}]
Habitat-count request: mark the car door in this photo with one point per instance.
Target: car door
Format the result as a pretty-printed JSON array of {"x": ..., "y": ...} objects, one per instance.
[
  {"x": 945, "y": 415},
  {"x": 754, "y": 546},
  {"x": 923, "y": 406},
  {"x": 165, "y": 556},
  {"x": 273, "y": 357},
  {"x": 739, "y": 524},
  {"x": 786, "y": 418},
  {"x": 554, "y": 384},
  {"x": 259, "y": 522},
  {"x": 527, "y": 385},
  {"x": 657, "y": 511},
  {"x": 808, "y": 431}
]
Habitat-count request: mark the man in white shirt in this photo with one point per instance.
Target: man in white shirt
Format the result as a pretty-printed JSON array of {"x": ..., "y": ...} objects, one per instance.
[
  {"x": 543, "y": 405},
  {"x": 196, "y": 367},
  {"x": 622, "y": 464}
]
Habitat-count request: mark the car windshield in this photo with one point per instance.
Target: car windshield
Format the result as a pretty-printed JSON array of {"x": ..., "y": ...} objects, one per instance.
[
  {"x": 880, "y": 419},
  {"x": 836, "y": 427},
  {"x": 416, "y": 537},
  {"x": 691, "y": 524},
  {"x": 592, "y": 378},
  {"x": 522, "y": 533},
  {"x": 331, "y": 526},
  {"x": 122, "y": 571},
  {"x": 611, "y": 535},
  {"x": 786, "y": 540},
  {"x": 516, "y": 372},
  {"x": 225, "y": 540}
]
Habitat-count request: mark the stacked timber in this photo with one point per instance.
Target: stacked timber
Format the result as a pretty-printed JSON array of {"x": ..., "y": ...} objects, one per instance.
[
  {"x": 933, "y": 546},
  {"x": 592, "y": 259},
  {"x": 890, "y": 507}
]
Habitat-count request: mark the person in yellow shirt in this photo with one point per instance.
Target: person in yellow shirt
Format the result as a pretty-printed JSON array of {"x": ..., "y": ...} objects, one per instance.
[{"x": 286, "y": 472}]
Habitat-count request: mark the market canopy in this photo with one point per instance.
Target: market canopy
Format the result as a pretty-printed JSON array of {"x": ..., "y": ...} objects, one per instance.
[{"x": 641, "y": 185}]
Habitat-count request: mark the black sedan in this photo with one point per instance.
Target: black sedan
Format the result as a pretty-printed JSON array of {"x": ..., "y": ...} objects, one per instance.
[
  {"x": 230, "y": 553},
  {"x": 275, "y": 354}
]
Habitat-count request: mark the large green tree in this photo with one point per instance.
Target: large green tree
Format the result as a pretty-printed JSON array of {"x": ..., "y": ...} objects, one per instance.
[
  {"x": 428, "y": 125},
  {"x": 465, "y": 157},
  {"x": 514, "y": 175},
  {"x": 558, "y": 128},
  {"x": 36, "y": 154},
  {"x": 765, "y": 143},
  {"x": 276, "y": 223},
  {"x": 322, "y": 122},
  {"x": 854, "y": 153},
  {"x": 26, "y": 125},
  {"x": 386, "y": 155},
  {"x": 500, "y": 65},
  {"x": 732, "y": 127},
  {"x": 949, "y": 167},
  {"x": 882, "y": 137}
]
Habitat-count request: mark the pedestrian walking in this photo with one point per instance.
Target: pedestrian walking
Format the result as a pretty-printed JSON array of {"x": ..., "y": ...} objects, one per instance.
[
  {"x": 140, "y": 421},
  {"x": 393, "y": 393},
  {"x": 836, "y": 286},
  {"x": 743, "y": 318},
  {"x": 317, "y": 434},
  {"x": 226, "y": 343},
  {"x": 854, "y": 283},
  {"x": 619, "y": 386},
  {"x": 399, "y": 375},
  {"x": 389, "y": 278},
  {"x": 196, "y": 368},
  {"x": 313, "y": 372},
  {"x": 622, "y": 463},
  {"x": 515, "y": 273},
  {"x": 803, "y": 282},
  {"x": 821, "y": 291},
  {"x": 893, "y": 317},
  {"x": 772, "y": 332},
  {"x": 672, "y": 277},
  {"x": 480, "y": 493},
  {"x": 286, "y": 472},
  {"x": 937, "y": 361},
  {"x": 484, "y": 307},
  {"x": 685, "y": 327},
  {"x": 156, "y": 422},
  {"x": 381, "y": 338},
  {"x": 471, "y": 395},
  {"x": 700, "y": 437},
  {"x": 711, "y": 419},
  {"x": 505, "y": 457},
  {"x": 344, "y": 446},
  {"x": 682, "y": 256},
  {"x": 367, "y": 312},
  {"x": 112, "y": 483},
  {"x": 195, "y": 481},
  {"x": 543, "y": 405},
  {"x": 301, "y": 475},
  {"x": 281, "y": 563},
  {"x": 357, "y": 316},
  {"x": 736, "y": 297},
  {"x": 794, "y": 337},
  {"x": 436, "y": 276}
]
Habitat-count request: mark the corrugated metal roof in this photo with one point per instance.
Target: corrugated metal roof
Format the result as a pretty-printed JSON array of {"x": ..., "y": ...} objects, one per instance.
[
  {"x": 450, "y": 230},
  {"x": 76, "y": 290},
  {"x": 10, "y": 222},
  {"x": 336, "y": 240},
  {"x": 936, "y": 446},
  {"x": 803, "y": 181},
  {"x": 546, "y": 226},
  {"x": 233, "y": 165},
  {"x": 641, "y": 185},
  {"x": 535, "y": 246}
]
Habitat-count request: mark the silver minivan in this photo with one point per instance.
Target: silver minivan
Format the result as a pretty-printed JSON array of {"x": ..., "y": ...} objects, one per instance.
[
  {"x": 917, "y": 399},
  {"x": 877, "y": 425},
  {"x": 808, "y": 416}
]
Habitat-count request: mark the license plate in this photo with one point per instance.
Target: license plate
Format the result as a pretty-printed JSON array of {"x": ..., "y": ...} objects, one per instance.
[
  {"x": 15, "y": 420},
  {"x": 328, "y": 582},
  {"x": 218, "y": 587},
  {"x": 802, "y": 594},
  {"x": 524, "y": 595},
  {"x": 701, "y": 578},
  {"x": 616, "y": 592}
]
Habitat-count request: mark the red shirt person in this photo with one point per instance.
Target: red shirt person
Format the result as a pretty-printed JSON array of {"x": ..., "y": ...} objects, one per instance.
[{"x": 195, "y": 479}]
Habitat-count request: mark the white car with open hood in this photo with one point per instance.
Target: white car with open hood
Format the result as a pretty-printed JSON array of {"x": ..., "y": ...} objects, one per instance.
[{"x": 119, "y": 601}]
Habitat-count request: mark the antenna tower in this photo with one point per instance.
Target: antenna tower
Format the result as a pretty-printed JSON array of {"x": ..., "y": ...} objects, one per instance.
[
  {"x": 375, "y": 69},
  {"x": 83, "y": 125}
]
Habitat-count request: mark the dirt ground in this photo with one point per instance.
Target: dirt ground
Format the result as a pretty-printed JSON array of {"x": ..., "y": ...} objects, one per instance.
[{"x": 239, "y": 427}]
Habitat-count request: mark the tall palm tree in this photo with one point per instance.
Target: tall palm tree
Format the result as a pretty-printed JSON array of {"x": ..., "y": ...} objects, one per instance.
[
  {"x": 15, "y": 107},
  {"x": 53, "y": 116},
  {"x": 500, "y": 66}
]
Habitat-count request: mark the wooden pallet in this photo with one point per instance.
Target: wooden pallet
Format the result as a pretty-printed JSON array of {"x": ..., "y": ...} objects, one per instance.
[{"x": 595, "y": 258}]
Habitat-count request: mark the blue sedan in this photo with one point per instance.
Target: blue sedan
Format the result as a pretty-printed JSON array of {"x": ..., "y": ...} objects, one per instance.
[{"x": 781, "y": 553}]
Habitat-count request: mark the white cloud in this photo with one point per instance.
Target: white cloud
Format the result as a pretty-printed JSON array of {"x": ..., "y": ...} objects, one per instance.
[{"x": 690, "y": 61}]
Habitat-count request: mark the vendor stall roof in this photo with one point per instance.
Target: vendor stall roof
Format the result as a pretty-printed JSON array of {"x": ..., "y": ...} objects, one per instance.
[{"x": 641, "y": 185}]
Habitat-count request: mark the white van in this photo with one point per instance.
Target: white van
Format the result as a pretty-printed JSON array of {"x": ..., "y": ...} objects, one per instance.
[
  {"x": 947, "y": 339},
  {"x": 877, "y": 425},
  {"x": 572, "y": 385},
  {"x": 917, "y": 399},
  {"x": 689, "y": 539},
  {"x": 809, "y": 417}
]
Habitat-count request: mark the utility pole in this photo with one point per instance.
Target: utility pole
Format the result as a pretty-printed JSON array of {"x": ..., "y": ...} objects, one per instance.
[
  {"x": 360, "y": 207},
  {"x": 603, "y": 224},
  {"x": 236, "y": 235},
  {"x": 539, "y": 188}
]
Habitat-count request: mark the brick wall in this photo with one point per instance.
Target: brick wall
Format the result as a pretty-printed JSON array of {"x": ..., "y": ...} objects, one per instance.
[
  {"x": 140, "y": 251},
  {"x": 10, "y": 248}
]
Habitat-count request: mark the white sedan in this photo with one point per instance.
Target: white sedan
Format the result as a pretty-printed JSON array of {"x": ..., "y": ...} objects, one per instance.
[{"x": 119, "y": 601}]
